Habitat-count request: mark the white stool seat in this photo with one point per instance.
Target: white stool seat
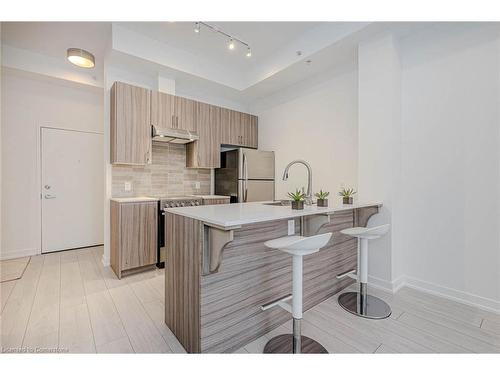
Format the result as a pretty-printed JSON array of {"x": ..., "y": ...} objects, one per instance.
[
  {"x": 367, "y": 233},
  {"x": 299, "y": 245},
  {"x": 281, "y": 242},
  {"x": 361, "y": 303}
]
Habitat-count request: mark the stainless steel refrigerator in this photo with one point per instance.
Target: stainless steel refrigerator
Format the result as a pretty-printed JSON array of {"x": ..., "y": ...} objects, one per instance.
[{"x": 246, "y": 175}]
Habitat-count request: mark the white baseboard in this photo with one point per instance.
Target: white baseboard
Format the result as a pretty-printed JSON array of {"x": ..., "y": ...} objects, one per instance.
[
  {"x": 381, "y": 284},
  {"x": 105, "y": 261},
  {"x": 437, "y": 290},
  {"x": 12, "y": 254},
  {"x": 453, "y": 294}
]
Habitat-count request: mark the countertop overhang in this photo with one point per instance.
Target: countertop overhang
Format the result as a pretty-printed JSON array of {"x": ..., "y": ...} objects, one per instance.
[{"x": 233, "y": 215}]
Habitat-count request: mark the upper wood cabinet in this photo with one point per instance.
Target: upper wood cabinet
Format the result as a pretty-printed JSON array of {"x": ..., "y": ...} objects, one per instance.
[
  {"x": 162, "y": 110},
  {"x": 130, "y": 130},
  {"x": 135, "y": 109},
  {"x": 238, "y": 128},
  {"x": 169, "y": 111},
  {"x": 185, "y": 114},
  {"x": 225, "y": 124},
  {"x": 205, "y": 152}
]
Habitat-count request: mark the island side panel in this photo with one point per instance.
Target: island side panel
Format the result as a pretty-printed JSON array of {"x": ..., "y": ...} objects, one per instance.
[
  {"x": 184, "y": 239},
  {"x": 251, "y": 275}
]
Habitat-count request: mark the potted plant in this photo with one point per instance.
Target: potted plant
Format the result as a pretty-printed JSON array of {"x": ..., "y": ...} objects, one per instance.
[
  {"x": 322, "y": 198},
  {"x": 297, "y": 199},
  {"x": 346, "y": 195}
]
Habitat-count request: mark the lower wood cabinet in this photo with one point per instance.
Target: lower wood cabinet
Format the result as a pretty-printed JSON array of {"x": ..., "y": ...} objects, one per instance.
[
  {"x": 208, "y": 201},
  {"x": 134, "y": 227}
]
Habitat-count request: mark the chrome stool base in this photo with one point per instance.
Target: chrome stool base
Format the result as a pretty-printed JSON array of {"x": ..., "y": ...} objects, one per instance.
[
  {"x": 283, "y": 344},
  {"x": 372, "y": 308}
]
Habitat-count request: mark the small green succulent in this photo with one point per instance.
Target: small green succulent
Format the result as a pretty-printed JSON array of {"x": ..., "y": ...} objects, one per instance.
[
  {"x": 322, "y": 194},
  {"x": 298, "y": 196},
  {"x": 347, "y": 193}
]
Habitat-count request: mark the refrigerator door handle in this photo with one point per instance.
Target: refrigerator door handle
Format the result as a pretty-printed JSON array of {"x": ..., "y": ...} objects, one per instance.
[{"x": 245, "y": 177}]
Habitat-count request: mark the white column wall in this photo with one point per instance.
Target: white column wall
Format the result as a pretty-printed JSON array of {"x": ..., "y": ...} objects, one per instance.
[{"x": 379, "y": 112}]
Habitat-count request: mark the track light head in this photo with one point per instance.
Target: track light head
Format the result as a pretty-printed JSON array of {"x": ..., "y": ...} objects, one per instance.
[
  {"x": 231, "y": 45},
  {"x": 249, "y": 52},
  {"x": 197, "y": 27}
]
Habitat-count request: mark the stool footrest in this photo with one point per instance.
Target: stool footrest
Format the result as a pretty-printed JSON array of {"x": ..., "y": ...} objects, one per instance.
[
  {"x": 350, "y": 273},
  {"x": 279, "y": 302}
]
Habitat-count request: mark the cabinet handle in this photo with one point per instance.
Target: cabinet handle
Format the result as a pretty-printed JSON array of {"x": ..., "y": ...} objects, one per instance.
[
  {"x": 177, "y": 121},
  {"x": 173, "y": 120}
]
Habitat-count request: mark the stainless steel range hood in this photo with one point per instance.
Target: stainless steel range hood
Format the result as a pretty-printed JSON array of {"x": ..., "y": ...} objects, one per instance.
[{"x": 171, "y": 135}]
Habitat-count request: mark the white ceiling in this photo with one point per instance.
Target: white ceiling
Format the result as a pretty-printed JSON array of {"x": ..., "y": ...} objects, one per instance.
[
  {"x": 265, "y": 38},
  {"x": 54, "y": 38},
  {"x": 202, "y": 61}
]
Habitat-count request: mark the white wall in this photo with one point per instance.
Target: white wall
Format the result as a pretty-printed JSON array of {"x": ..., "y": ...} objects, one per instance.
[
  {"x": 318, "y": 124},
  {"x": 379, "y": 145},
  {"x": 429, "y": 141},
  {"x": 30, "y": 101},
  {"x": 450, "y": 187}
]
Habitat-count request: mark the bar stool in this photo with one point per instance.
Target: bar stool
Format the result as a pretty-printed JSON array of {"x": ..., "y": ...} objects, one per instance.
[
  {"x": 361, "y": 303},
  {"x": 298, "y": 247}
]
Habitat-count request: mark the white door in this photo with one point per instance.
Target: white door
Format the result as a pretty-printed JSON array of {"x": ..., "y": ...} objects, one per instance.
[{"x": 72, "y": 190}]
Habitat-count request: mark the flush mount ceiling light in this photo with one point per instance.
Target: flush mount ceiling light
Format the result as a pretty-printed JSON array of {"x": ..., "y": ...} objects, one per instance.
[
  {"x": 81, "y": 58},
  {"x": 231, "y": 44}
]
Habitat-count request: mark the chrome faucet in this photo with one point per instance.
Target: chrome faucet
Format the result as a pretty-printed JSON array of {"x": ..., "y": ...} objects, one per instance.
[{"x": 309, "y": 177}]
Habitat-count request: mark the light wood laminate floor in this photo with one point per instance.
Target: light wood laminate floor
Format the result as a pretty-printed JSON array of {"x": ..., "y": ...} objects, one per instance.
[{"x": 69, "y": 302}]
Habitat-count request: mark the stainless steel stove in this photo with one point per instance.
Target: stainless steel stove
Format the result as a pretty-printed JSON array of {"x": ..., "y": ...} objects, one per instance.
[
  {"x": 179, "y": 202},
  {"x": 164, "y": 203}
]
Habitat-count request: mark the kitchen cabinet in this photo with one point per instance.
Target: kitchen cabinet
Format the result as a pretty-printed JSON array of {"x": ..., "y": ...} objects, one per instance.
[
  {"x": 162, "y": 110},
  {"x": 238, "y": 128},
  {"x": 249, "y": 135},
  {"x": 170, "y": 111},
  {"x": 134, "y": 234},
  {"x": 219, "y": 200},
  {"x": 130, "y": 130},
  {"x": 185, "y": 114},
  {"x": 225, "y": 124},
  {"x": 205, "y": 152}
]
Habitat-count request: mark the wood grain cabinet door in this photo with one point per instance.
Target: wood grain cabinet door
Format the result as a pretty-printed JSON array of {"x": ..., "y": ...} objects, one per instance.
[
  {"x": 130, "y": 131},
  {"x": 138, "y": 234},
  {"x": 236, "y": 129},
  {"x": 253, "y": 132},
  {"x": 162, "y": 110},
  {"x": 185, "y": 114},
  {"x": 205, "y": 152},
  {"x": 225, "y": 123}
]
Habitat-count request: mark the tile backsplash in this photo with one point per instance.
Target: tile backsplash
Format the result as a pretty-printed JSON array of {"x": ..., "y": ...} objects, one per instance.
[{"x": 166, "y": 176}]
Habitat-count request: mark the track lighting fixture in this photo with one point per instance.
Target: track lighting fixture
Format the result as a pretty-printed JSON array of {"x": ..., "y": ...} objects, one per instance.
[{"x": 232, "y": 40}]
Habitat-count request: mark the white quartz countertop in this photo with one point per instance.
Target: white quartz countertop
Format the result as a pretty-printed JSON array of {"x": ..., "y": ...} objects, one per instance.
[
  {"x": 237, "y": 214},
  {"x": 134, "y": 199}
]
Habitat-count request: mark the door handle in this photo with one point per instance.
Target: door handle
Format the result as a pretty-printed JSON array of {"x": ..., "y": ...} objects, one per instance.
[
  {"x": 49, "y": 196},
  {"x": 245, "y": 176}
]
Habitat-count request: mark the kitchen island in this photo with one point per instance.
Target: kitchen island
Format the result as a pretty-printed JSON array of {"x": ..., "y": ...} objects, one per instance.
[{"x": 218, "y": 272}]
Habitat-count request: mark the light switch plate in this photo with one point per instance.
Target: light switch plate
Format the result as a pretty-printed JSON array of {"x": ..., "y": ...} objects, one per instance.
[
  {"x": 197, "y": 185},
  {"x": 128, "y": 186},
  {"x": 291, "y": 227}
]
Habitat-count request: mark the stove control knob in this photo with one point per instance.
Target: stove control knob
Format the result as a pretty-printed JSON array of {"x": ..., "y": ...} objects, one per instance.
[
  {"x": 196, "y": 203},
  {"x": 183, "y": 204}
]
